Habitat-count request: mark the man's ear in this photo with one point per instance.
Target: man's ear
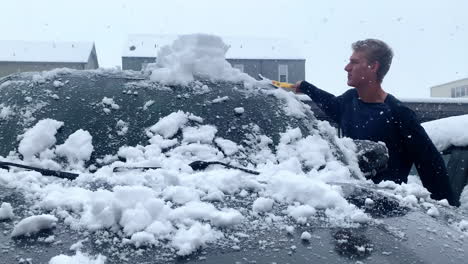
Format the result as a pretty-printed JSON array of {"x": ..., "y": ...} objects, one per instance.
[{"x": 375, "y": 66}]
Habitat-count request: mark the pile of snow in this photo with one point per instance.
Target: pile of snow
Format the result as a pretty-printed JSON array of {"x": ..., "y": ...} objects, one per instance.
[
  {"x": 198, "y": 55},
  {"x": 446, "y": 132}
]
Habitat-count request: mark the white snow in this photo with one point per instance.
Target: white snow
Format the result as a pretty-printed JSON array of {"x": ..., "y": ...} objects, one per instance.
[
  {"x": 78, "y": 258},
  {"x": 39, "y": 138},
  {"x": 193, "y": 55},
  {"x": 168, "y": 126},
  {"x": 446, "y": 132},
  {"x": 58, "y": 84},
  {"x": 110, "y": 102},
  {"x": 262, "y": 205},
  {"x": 186, "y": 240},
  {"x": 202, "y": 134},
  {"x": 229, "y": 147},
  {"x": 306, "y": 236},
  {"x": 5, "y": 112},
  {"x": 77, "y": 148},
  {"x": 239, "y": 110},
  {"x": 34, "y": 224},
  {"x": 6, "y": 211}
]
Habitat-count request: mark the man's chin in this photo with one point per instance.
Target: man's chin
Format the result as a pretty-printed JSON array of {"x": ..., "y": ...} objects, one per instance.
[{"x": 351, "y": 84}]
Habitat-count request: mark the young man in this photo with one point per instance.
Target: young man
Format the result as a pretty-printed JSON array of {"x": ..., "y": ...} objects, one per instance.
[{"x": 368, "y": 112}]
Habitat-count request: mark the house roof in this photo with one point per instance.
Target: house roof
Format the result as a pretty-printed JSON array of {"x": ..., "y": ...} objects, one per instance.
[
  {"x": 239, "y": 48},
  {"x": 41, "y": 51}
]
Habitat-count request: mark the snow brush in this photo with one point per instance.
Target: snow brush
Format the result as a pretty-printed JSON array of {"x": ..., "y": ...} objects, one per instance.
[
  {"x": 196, "y": 166},
  {"x": 283, "y": 85},
  {"x": 277, "y": 84},
  {"x": 58, "y": 174}
]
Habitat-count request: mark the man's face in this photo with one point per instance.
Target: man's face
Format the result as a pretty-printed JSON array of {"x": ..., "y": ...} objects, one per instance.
[{"x": 360, "y": 72}]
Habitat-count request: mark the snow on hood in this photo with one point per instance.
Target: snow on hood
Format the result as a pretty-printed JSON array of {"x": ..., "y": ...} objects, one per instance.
[
  {"x": 446, "y": 132},
  {"x": 189, "y": 208},
  {"x": 175, "y": 202},
  {"x": 198, "y": 55}
]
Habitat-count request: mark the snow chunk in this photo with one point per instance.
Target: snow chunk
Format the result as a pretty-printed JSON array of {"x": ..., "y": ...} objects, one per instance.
[
  {"x": 77, "y": 148},
  {"x": 148, "y": 104},
  {"x": 301, "y": 212},
  {"x": 143, "y": 238},
  {"x": 202, "y": 134},
  {"x": 169, "y": 125},
  {"x": 199, "y": 55},
  {"x": 78, "y": 258},
  {"x": 239, "y": 110},
  {"x": 122, "y": 127},
  {"x": 229, "y": 147},
  {"x": 220, "y": 99},
  {"x": 5, "y": 112},
  {"x": 58, "y": 84},
  {"x": 110, "y": 102},
  {"x": 306, "y": 236},
  {"x": 6, "y": 211},
  {"x": 39, "y": 138},
  {"x": 188, "y": 240},
  {"x": 262, "y": 205},
  {"x": 34, "y": 224}
]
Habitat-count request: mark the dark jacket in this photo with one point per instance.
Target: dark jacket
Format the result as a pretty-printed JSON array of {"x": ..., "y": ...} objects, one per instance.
[{"x": 397, "y": 126}]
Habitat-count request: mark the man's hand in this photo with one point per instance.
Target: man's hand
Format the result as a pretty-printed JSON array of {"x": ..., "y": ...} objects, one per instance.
[{"x": 297, "y": 86}]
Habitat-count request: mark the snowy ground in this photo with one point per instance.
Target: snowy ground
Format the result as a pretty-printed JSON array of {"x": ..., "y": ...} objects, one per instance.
[{"x": 183, "y": 209}]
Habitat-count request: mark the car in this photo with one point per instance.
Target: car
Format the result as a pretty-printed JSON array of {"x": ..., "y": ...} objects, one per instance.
[
  {"x": 167, "y": 167},
  {"x": 450, "y": 139}
]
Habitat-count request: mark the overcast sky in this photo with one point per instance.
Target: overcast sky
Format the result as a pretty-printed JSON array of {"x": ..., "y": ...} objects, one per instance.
[{"x": 429, "y": 38}]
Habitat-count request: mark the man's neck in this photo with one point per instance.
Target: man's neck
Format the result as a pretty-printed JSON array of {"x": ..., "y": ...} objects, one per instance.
[{"x": 372, "y": 93}]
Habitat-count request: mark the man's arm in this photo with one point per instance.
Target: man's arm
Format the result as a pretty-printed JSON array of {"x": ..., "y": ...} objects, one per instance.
[
  {"x": 427, "y": 159},
  {"x": 329, "y": 103}
]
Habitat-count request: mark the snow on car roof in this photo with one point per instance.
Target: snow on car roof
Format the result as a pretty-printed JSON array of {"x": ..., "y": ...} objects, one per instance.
[
  {"x": 142, "y": 45},
  {"x": 435, "y": 100},
  {"x": 44, "y": 51},
  {"x": 446, "y": 132}
]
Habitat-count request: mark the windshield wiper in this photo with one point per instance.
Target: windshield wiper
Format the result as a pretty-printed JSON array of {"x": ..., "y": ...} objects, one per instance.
[
  {"x": 56, "y": 173},
  {"x": 196, "y": 165}
]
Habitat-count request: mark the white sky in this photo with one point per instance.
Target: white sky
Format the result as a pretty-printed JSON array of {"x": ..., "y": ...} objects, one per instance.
[{"x": 429, "y": 38}]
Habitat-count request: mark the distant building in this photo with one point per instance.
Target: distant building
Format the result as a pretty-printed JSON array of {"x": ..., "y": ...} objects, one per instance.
[
  {"x": 453, "y": 89},
  {"x": 23, "y": 56},
  {"x": 276, "y": 59}
]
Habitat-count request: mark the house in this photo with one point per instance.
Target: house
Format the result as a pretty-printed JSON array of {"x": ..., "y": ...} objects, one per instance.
[
  {"x": 454, "y": 89},
  {"x": 275, "y": 59},
  {"x": 23, "y": 56}
]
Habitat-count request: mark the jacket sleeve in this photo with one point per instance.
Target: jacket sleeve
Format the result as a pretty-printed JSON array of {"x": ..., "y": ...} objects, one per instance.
[
  {"x": 329, "y": 103},
  {"x": 427, "y": 159}
]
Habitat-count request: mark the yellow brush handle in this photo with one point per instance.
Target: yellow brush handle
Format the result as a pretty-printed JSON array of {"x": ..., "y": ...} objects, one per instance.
[{"x": 283, "y": 84}]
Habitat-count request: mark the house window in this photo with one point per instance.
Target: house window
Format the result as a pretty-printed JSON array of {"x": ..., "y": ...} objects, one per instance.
[
  {"x": 459, "y": 91},
  {"x": 283, "y": 73},
  {"x": 239, "y": 66}
]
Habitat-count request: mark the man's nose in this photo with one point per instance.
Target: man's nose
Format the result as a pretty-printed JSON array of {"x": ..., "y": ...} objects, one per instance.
[{"x": 347, "y": 68}]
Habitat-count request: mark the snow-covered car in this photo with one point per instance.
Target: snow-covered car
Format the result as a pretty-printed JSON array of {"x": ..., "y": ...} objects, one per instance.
[{"x": 279, "y": 186}]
